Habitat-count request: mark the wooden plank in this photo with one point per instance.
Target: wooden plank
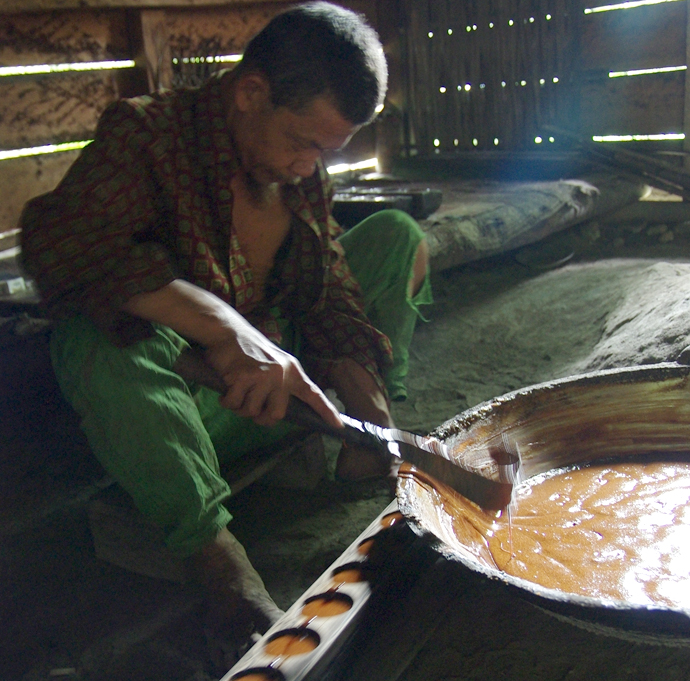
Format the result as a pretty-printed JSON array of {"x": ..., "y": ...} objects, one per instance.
[
  {"x": 59, "y": 37},
  {"x": 639, "y": 38},
  {"x": 686, "y": 111},
  {"x": 637, "y": 105},
  {"x": 59, "y": 107},
  {"x": 19, "y": 6},
  {"x": 9, "y": 239},
  {"x": 230, "y": 28},
  {"x": 155, "y": 34},
  {"x": 24, "y": 178},
  {"x": 50, "y": 109}
]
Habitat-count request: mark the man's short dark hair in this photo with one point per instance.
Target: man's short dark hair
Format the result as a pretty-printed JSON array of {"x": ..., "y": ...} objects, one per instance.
[{"x": 320, "y": 49}]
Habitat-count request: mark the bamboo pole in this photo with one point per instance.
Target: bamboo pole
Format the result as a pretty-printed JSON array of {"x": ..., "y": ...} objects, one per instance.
[
  {"x": 686, "y": 110},
  {"x": 659, "y": 173}
]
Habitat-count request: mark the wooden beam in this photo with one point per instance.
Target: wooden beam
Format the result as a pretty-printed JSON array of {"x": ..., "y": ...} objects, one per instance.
[
  {"x": 637, "y": 105},
  {"x": 156, "y": 49},
  {"x": 228, "y": 29},
  {"x": 49, "y": 110},
  {"x": 686, "y": 111},
  {"x": 62, "y": 37},
  {"x": 20, "y": 6},
  {"x": 645, "y": 37}
]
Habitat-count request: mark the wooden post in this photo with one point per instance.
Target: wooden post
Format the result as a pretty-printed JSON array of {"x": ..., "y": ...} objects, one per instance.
[
  {"x": 686, "y": 110},
  {"x": 388, "y": 127},
  {"x": 156, "y": 48}
]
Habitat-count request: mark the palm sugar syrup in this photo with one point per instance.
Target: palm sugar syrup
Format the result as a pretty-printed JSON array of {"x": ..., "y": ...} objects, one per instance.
[
  {"x": 292, "y": 642},
  {"x": 328, "y": 604},
  {"x": 613, "y": 530},
  {"x": 259, "y": 675}
]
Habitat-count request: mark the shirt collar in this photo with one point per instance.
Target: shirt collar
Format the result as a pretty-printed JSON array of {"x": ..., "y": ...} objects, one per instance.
[{"x": 215, "y": 141}]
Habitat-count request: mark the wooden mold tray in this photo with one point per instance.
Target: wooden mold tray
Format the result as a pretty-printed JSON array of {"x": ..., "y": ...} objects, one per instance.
[{"x": 327, "y": 615}]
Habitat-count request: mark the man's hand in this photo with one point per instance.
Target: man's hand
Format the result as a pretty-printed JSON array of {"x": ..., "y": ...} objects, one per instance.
[
  {"x": 259, "y": 375},
  {"x": 359, "y": 393},
  {"x": 364, "y": 400}
]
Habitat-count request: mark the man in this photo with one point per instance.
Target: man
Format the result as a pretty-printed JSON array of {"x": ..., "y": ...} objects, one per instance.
[{"x": 202, "y": 216}]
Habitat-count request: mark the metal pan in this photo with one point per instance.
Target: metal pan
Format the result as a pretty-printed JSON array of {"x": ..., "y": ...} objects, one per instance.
[{"x": 617, "y": 414}]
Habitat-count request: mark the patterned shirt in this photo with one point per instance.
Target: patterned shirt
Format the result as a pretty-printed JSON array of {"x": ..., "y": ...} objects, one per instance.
[{"x": 149, "y": 201}]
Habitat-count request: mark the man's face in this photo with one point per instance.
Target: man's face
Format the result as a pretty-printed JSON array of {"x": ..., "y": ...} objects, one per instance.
[{"x": 281, "y": 145}]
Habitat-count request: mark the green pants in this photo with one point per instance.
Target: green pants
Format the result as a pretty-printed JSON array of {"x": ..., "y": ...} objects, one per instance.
[{"x": 162, "y": 442}]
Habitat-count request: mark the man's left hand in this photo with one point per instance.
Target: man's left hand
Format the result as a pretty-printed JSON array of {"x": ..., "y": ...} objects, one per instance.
[{"x": 363, "y": 400}]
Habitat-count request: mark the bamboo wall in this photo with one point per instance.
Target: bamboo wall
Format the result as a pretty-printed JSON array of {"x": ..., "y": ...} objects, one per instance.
[
  {"x": 480, "y": 73},
  {"x": 64, "y": 107},
  {"x": 640, "y": 38},
  {"x": 50, "y": 109},
  {"x": 575, "y": 48}
]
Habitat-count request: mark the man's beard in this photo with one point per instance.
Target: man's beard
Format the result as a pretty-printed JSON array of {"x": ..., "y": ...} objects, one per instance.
[
  {"x": 261, "y": 192},
  {"x": 262, "y": 189}
]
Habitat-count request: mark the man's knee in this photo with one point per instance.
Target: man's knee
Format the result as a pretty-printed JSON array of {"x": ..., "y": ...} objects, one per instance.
[
  {"x": 399, "y": 226},
  {"x": 420, "y": 268},
  {"x": 404, "y": 230},
  {"x": 387, "y": 251}
]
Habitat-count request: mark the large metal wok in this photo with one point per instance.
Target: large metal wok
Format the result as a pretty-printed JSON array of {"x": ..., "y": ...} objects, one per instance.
[{"x": 616, "y": 414}]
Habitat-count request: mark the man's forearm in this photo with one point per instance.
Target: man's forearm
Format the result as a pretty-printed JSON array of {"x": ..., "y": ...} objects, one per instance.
[
  {"x": 359, "y": 392},
  {"x": 259, "y": 375},
  {"x": 189, "y": 310}
]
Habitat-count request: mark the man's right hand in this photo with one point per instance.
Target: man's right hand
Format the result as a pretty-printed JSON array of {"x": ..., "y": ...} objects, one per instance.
[{"x": 260, "y": 376}]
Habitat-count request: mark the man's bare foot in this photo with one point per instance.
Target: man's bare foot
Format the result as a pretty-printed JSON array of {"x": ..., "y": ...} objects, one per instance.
[{"x": 239, "y": 604}]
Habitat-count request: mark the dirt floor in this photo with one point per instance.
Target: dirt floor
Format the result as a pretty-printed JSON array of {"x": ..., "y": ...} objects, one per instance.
[
  {"x": 622, "y": 299},
  {"x": 497, "y": 325}
]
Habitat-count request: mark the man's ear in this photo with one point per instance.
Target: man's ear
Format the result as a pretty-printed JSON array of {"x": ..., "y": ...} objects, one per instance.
[{"x": 252, "y": 92}]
